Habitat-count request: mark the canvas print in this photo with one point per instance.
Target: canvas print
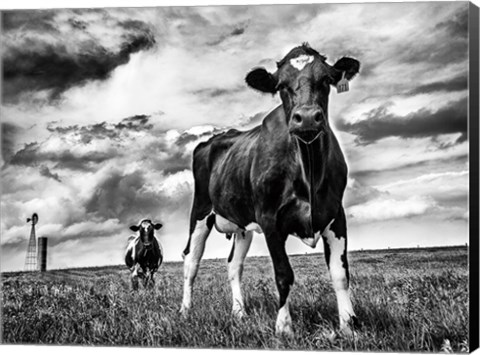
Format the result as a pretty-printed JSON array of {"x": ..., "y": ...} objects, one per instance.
[{"x": 238, "y": 177}]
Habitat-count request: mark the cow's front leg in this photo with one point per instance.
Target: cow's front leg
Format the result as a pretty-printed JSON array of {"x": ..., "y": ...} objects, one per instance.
[
  {"x": 134, "y": 276},
  {"x": 284, "y": 279},
  {"x": 335, "y": 245},
  {"x": 240, "y": 247},
  {"x": 192, "y": 256}
]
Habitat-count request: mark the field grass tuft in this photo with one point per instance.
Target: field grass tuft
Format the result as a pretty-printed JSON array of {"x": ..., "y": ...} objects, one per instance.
[{"x": 406, "y": 300}]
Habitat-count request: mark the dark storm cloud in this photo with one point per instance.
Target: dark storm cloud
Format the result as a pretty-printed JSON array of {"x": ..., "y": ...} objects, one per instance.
[
  {"x": 169, "y": 159},
  {"x": 457, "y": 83},
  {"x": 186, "y": 137},
  {"x": 447, "y": 45},
  {"x": 9, "y": 134},
  {"x": 28, "y": 20},
  {"x": 134, "y": 123},
  {"x": 380, "y": 123},
  {"x": 123, "y": 196},
  {"x": 218, "y": 92},
  {"x": 46, "y": 58},
  {"x": 32, "y": 155},
  {"x": 456, "y": 26},
  {"x": 45, "y": 171},
  {"x": 237, "y": 31}
]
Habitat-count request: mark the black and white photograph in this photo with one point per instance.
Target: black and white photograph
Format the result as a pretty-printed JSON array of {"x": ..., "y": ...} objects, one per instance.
[{"x": 295, "y": 176}]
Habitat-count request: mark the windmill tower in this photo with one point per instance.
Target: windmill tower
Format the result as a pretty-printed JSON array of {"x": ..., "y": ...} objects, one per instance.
[{"x": 31, "y": 259}]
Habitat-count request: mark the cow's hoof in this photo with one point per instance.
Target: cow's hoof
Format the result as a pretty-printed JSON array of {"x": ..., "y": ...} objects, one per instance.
[
  {"x": 285, "y": 332},
  {"x": 349, "y": 329},
  {"x": 347, "y": 332},
  {"x": 238, "y": 313},
  {"x": 283, "y": 327}
]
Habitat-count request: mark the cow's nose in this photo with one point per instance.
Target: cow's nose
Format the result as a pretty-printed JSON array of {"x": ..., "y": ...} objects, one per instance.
[
  {"x": 307, "y": 123},
  {"x": 308, "y": 119}
]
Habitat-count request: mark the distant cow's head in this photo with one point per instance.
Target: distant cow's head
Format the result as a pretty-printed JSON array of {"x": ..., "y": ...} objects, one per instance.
[
  {"x": 145, "y": 229},
  {"x": 303, "y": 79}
]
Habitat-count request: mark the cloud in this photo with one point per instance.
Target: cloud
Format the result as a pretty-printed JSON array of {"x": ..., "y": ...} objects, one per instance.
[
  {"x": 358, "y": 193},
  {"x": 457, "y": 83},
  {"x": 36, "y": 56},
  {"x": 379, "y": 123},
  {"x": 34, "y": 153},
  {"x": 388, "y": 208},
  {"x": 45, "y": 171},
  {"x": 435, "y": 164},
  {"x": 9, "y": 134},
  {"x": 457, "y": 25},
  {"x": 132, "y": 196},
  {"x": 448, "y": 188}
]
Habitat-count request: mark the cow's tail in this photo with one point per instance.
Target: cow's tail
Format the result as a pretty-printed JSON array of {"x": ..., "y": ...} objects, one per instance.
[{"x": 202, "y": 205}]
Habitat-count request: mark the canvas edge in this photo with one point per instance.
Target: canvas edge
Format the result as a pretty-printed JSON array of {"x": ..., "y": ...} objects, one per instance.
[{"x": 474, "y": 174}]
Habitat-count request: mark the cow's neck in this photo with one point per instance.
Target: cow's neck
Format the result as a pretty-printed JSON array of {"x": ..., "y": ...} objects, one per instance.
[{"x": 314, "y": 161}]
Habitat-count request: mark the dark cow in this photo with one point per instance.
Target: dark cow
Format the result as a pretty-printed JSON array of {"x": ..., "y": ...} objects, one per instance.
[
  {"x": 284, "y": 177},
  {"x": 144, "y": 253}
]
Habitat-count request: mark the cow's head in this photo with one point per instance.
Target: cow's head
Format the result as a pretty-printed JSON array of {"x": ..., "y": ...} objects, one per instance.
[
  {"x": 303, "y": 79},
  {"x": 145, "y": 229}
]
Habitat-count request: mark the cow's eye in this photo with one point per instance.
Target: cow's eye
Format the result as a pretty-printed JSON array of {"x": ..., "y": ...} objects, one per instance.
[{"x": 328, "y": 81}]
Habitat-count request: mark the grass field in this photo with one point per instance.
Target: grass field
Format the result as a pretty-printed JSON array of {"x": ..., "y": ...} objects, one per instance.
[{"x": 407, "y": 300}]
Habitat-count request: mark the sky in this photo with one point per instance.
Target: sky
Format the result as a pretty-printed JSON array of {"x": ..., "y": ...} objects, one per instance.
[{"x": 102, "y": 108}]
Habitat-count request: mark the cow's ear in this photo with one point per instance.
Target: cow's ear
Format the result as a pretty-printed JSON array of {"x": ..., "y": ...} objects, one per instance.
[
  {"x": 260, "y": 79},
  {"x": 134, "y": 228},
  {"x": 158, "y": 226},
  {"x": 346, "y": 65}
]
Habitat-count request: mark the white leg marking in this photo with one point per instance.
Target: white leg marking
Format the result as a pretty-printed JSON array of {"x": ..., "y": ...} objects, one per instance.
[
  {"x": 192, "y": 261},
  {"x": 235, "y": 270},
  {"x": 339, "y": 277},
  {"x": 283, "y": 327}
]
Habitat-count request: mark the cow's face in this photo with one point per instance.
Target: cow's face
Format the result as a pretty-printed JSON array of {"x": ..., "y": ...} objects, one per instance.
[
  {"x": 303, "y": 79},
  {"x": 145, "y": 229}
]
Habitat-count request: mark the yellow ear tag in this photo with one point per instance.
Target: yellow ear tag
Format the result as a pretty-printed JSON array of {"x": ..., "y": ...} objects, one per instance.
[{"x": 342, "y": 85}]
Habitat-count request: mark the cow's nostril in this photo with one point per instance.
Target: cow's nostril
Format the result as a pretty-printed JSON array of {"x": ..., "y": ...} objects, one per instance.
[
  {"x": 297, "y": 118},
  {"x": 318, "y": 117}
]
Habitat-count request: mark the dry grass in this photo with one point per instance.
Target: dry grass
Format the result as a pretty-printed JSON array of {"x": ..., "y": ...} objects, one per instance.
[{"x": 407, "y": 300}]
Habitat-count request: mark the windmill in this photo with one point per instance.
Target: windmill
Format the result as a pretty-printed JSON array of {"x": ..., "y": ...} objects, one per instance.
[{"x": 31, "y": 259}]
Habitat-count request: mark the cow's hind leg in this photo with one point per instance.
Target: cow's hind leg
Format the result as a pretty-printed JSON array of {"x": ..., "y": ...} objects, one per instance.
[
  {"x": 192, "y": 255},
  {"x": 284, "y": 278},
  {"x": 335, "y": 245},
  {"x": 240, "y": 247}
]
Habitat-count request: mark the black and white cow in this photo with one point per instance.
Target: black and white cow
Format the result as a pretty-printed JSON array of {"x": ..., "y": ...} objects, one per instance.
[
  {"x": 284, "y": 177},
  {"x": 144, "y": 254}
]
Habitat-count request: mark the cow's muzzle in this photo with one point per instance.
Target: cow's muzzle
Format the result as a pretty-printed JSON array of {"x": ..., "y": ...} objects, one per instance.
[{"x": 307, "y": 124}]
